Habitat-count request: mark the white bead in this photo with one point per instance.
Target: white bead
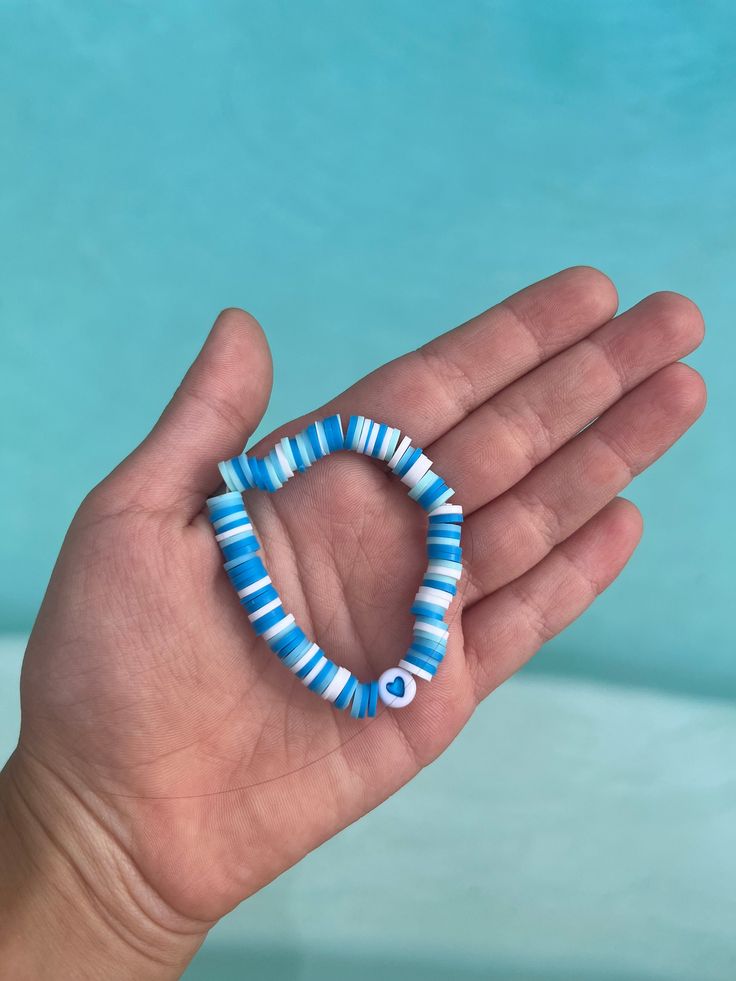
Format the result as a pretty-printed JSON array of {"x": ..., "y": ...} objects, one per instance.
[
  {"x": 306, "y": 656},
  {"x": 302, "y": 442},
  {"x": 228, "y": 519},
  {"x": 263, "y": 610},
  {"x": 336, "y": 685},
  {"x": 276, "y": 628},
  {"x": 370, "y": 445},
  {"x": 446, "y": 509},
  {"x": 381, "y": 452},
  {"x": 224, "y": 535},
  {"x": 309, "y": 678},
  {"x": 440, "y": 597},
  {"x": 419, "y": 672},
  {"x": 229, "y": 476},
  {"x": 322, "y": 438},
  {"x": 416, "y": 471},
  {"x": 392, "y": 444},
  {"x": 284, "y": 463},
  {"x": 400, "y": 451},
  {"x": 444, "y": 570},
  {"x": 353, "y": 445},
  {"x": 390, "y": 699},
  {"x": 254, "y": 587},
  {"x": 430, "y": 628},
  {"x": 363, "y": 439}
]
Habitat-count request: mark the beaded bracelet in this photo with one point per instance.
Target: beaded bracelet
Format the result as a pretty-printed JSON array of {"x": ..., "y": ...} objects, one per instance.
[{"x": 234, "y": 532}]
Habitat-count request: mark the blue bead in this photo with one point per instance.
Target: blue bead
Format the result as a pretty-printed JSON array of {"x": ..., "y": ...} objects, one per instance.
[
  {"x": 424, "y": 484},
  {"x": 304, "y": 671},
  {"x": 429, "y": 666},
  {"x": 452, "y": 518},
  {"x": 447, "y": 586},
  {"x": 324, "y": 677},
  {"x": 230, "y": 521},
  {"x": 306, "y": 448},
  {"x": 379, "y": 438},
  {"x": 288, "y": 452},
  {"x": 239, "y": 472},
  {"x": 345, "y": 695},
  {"x": 372, "y": 698},
  {"x": 291, "y": 657},
  {"x": 247, "y": 567},
  {"x": 350, "y": 434},
  {"x": 426, "y": 636},
  {"x": 444, "y": 552},
  {"x": 440, "y": 531},
  {"x": 224, "y": 500},
  {"x": 264, "y": 622},
  {"x": 444, "y": 495},
  {"x": 244, "y": 546},
  {"x": 429, "y": 653},
  {"x": 259, "y": 472},
  {"x": 333, "y": 429},
  {"x": 273, "y": 478},
  {"x": 246, "y": 575},
  {"x": 256, "y": 600},
  {"x": 289, "y": 638},
  {"x": 428, "y": 610},
  {"x": 402, "y": 460},
  {"x": 300, "y": 465},
  {"x": 311, "y": 432},
  {"x": 405, "y": 464},
  {"x": 278, "y": 469},
  {"x": 357, "y": 700},
  {"x": 224, "y": 510},
  {"x": 432, "y": 492}
]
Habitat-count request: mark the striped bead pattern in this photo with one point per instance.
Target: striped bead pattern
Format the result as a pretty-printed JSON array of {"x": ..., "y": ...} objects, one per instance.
[{"x": 258, "y": 596}]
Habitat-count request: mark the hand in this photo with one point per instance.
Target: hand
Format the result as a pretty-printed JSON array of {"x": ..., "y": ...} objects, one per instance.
[{"x": 167, "y": 753}]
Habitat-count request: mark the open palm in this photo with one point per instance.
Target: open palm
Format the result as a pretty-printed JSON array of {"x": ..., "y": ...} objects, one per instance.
[{"x": 146, "y": 698}]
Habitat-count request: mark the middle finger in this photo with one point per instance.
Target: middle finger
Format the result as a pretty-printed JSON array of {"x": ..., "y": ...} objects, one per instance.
[{"x": 510, "y": 434}]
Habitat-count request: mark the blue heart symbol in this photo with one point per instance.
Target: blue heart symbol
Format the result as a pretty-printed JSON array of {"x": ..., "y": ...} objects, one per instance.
[{"x": 396, "y": 687}]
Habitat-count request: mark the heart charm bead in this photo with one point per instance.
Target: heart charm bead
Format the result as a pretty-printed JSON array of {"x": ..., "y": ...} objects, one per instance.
[
  {"x": 236, "y": 537},
  {"x": 396, "y": 687}
]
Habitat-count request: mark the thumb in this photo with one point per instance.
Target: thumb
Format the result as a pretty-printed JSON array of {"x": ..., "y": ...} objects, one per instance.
[{"x": 211, "y": 416}]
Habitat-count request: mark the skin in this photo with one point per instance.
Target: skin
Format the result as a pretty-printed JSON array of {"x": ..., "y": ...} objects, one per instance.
[{"x": 168, "y": 767}]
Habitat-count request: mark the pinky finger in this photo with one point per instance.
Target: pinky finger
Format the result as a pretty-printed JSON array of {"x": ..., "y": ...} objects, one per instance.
[{"x": 504, "y": 630}]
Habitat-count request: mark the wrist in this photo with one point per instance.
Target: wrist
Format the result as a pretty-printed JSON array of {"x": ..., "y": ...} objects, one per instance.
[{"x": 72, "y": 903}]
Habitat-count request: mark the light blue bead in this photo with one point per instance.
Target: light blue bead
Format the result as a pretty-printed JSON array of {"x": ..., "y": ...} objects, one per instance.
[
  {"x": 278, "y": 470},
  {"x": 275, "y": 483},
  {"x": 305, "y": 449},
  {"x": 416, "y": 492},
  {"x": 289, "y": 454},
  {"x": 392, "y": 444},
  {"x": 325, "y": 676},
  {"x": 357, "y": 700},
  {"x": 293, "y": 656},
  {"x": 356, "y": 434}
]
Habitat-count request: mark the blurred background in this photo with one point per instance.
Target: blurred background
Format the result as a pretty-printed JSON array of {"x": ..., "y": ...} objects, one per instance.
[{"x": 362, "y": 176}]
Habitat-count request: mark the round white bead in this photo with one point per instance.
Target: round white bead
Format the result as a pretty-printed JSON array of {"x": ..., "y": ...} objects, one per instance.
[{"x": 396, "y": 679}]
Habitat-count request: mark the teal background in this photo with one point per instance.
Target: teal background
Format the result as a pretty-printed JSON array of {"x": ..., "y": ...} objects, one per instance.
[{"x": 362, "y": 176}]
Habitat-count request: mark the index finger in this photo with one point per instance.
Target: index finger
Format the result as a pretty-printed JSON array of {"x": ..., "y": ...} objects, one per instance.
[{"x": 428, "y": 391}]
